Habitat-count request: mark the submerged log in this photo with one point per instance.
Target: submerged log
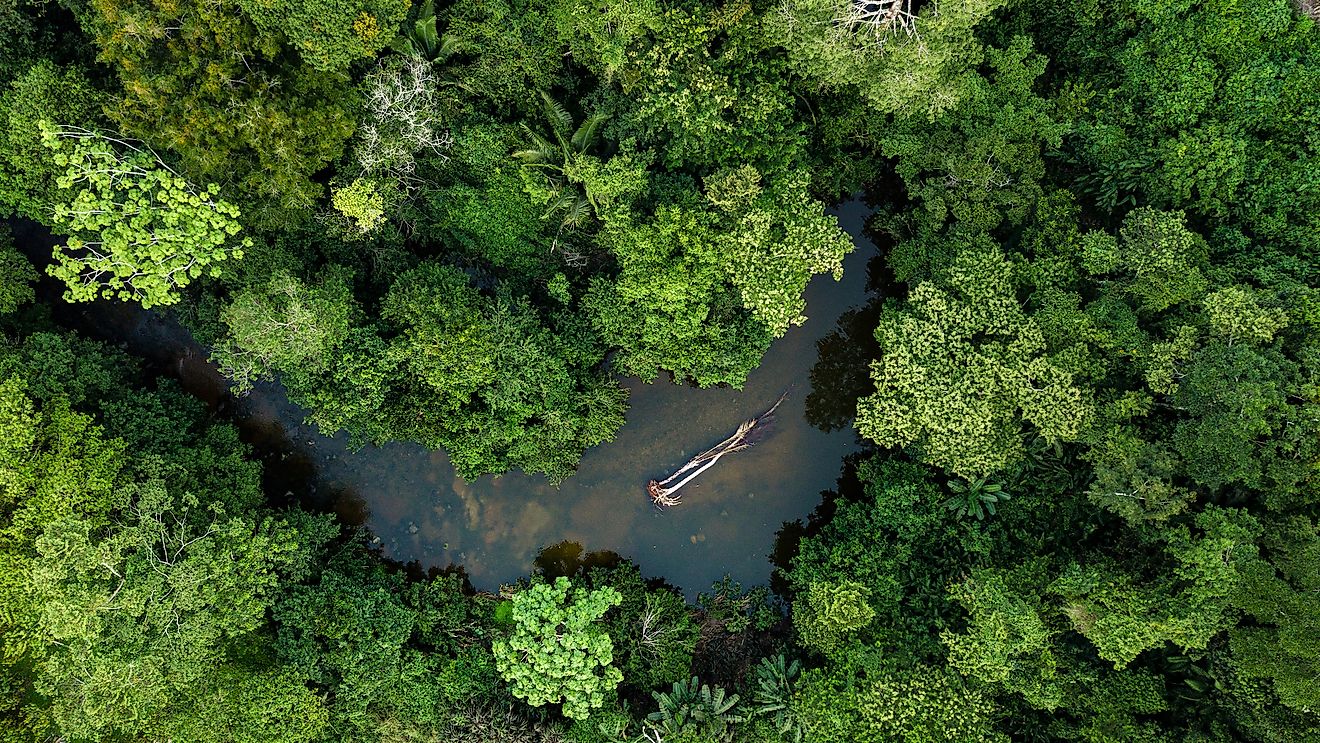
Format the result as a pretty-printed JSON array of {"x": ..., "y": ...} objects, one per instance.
[{"x": 663, "y": 494}]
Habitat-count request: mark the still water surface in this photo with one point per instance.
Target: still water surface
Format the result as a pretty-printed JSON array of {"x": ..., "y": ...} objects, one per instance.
[{"x": 420, "y": 511}]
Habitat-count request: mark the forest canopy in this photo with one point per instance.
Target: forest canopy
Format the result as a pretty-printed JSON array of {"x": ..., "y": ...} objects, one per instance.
[{"x": 1087, "y": 505}]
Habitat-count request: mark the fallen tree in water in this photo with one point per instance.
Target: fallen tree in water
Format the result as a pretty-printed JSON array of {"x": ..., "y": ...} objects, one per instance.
[{"x": 664, "y": 495}]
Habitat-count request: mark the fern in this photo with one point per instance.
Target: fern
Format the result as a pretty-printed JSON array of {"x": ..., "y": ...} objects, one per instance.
[{"x": 692, "y": 707}]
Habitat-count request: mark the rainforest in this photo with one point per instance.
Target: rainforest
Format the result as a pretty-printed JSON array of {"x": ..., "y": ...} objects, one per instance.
[{"x": 659, "y": 371}]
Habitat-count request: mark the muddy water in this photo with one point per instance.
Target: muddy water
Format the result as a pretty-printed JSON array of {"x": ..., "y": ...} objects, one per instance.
[{"x": 419, "y": 511}]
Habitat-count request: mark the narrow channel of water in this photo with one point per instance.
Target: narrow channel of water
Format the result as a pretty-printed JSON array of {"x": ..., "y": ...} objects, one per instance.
[{"x": 420, "y": 511}]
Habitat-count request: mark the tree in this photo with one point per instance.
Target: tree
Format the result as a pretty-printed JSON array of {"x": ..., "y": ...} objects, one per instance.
[
  {"x": 350, "y": 632},
  {"x": 828, "y": 613},
  {"x": 133, "y": 609},
  {"x": 1006, "y": 641},
  {"x": 28, "y": 172},
  {"x": 491, "y": 382},
  {"x": 600, "y": 36},
  {"x": 865, "y": 702},
  {"x": 776, "y": 685},
  {"x": 559, "y": 160},
  {"x": 670, "y": 308},
  {"x": 360, "y": 203},
  {"x": 139, "y": 230},
  {"x": 706, "y": 283},
  {"x": 286, "y": 325},
  {"x": 404, "y": 116},
  {"x": 774, "y": 240},
  {"x": 900, "y": 544},
  {"x": 330, "y": 36},
  {"x": 981, "y": 163},
  {"x": 1159, "y": 259},
  {"x": 225, "y": 98},
  {"x": 652, "y": 629},
  {"x": 902, "y": 59},
  {"x": 141, "y": 619},
  {"x": 16, "y": 275},
  {"x": 557, "y": 652},
  {"x": 1123, "y": 614},
  {"x": 961, "y": 368},
  {"x": 1208, "y": 112},
  {"x": 1280, "y": 595},
  {"x": 447, "y": 341}
]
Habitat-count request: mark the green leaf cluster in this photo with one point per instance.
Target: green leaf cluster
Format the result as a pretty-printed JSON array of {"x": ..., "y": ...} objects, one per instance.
[
  {"x": 138, "y": 231},
  {"x": 557, "y": 652}
]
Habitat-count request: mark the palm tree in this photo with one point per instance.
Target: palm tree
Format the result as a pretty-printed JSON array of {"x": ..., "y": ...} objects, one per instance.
[
  {"x": 975, "y": 498},
  {"x": 553, "y": 155},
  {"x": 423, "y": 39}
]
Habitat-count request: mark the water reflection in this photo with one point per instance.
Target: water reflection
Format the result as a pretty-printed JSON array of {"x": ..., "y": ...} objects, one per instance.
[
  {"x": 571, "y": 558},
  {"x": 842, "y": 370}
]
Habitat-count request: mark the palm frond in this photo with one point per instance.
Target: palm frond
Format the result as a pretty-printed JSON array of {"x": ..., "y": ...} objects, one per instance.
[
  {"x": 427, "y": 37},
  {"x": 587, "y": 134},
  {"x": 541, "y": 151},
  {"x": 562, "y": 201},
  {"x": 577, "y": 213},
  {"x": 403, "y": 44},
  {"x": 448, "y": 47},
  {"x": 560, "y": 119}
]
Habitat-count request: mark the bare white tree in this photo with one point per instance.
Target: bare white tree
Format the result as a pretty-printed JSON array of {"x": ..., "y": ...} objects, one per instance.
[
  {"x": 879, "y": 17},
  {"x": 404, "y": 116}
]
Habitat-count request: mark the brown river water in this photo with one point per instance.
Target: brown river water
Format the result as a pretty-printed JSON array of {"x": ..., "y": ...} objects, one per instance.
[{"x": 417, "y": 510}]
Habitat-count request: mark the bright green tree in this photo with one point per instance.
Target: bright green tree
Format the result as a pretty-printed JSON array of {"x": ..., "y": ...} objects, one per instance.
[
  {"x": 963, "y": 367},
  {"x": 557, "y": 652},
  {"x": 139, "y": 231},
  {"x": 828, "y": 613},
  {"x": 141, "y": 619}
]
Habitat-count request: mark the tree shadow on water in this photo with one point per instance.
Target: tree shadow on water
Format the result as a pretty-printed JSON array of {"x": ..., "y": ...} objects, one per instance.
[
  {"x": 567, "y": 559},
  {"x": 842, "y": 372},
  {"x": 791, "y": 533}
]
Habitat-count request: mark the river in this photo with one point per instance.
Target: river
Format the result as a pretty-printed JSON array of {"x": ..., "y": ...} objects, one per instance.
[{"x": 417, "y": 510}]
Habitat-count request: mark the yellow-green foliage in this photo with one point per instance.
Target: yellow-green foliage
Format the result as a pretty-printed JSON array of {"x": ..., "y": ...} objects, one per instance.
[
  {"x": 962, "y": 367},
  {"x": 829, "y": 613},
  {"x": 138, "y": 231},
  {"x": 557, "y": 652},
  {"x": 362, "y": 203}
]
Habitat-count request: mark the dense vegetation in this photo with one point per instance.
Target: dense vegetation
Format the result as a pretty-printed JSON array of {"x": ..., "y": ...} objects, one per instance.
[{"x": 1091, "y": 509}]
